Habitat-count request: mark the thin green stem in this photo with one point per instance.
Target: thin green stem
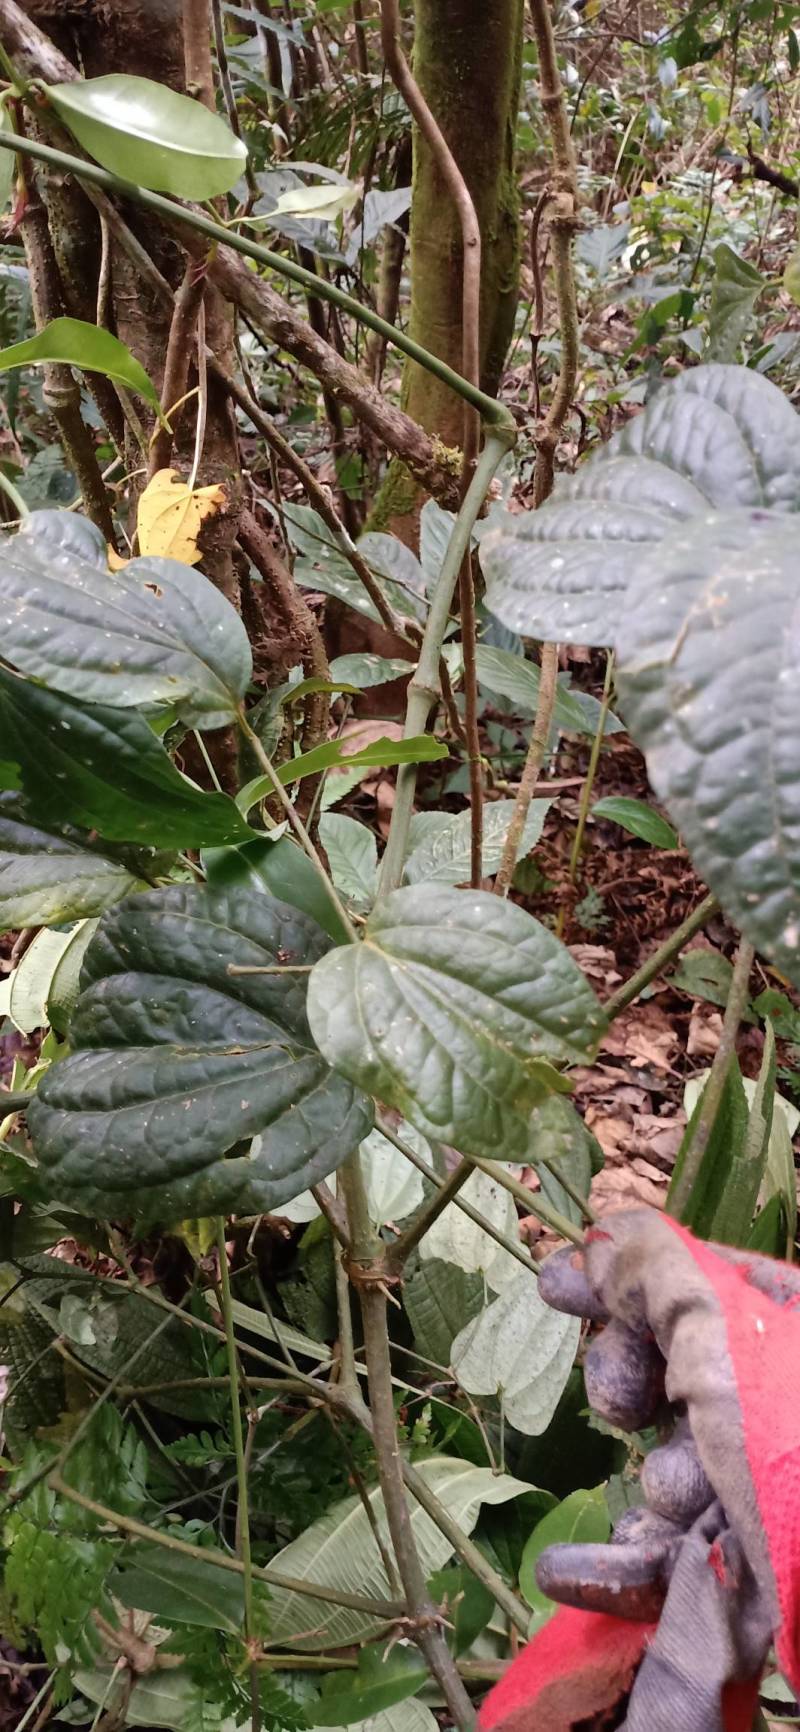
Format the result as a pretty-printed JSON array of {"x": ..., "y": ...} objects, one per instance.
[
  {"x": 425, "y": 687},
  {"x": 296, "y": 822},
  {"x": 529, "y": 1199},
  {"x": 660, "y": 958},
  {"x": 375, "y": 1608},
  {"x": 243, "y": 1515},
  {"x": 511, "y": 1245},
  {"x": 493, "y": 413},
  {"x": 429, "y": 1213}
]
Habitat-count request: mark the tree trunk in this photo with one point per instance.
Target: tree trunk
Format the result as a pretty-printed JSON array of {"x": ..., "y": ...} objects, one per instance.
[{"x": 467, "y": 62}]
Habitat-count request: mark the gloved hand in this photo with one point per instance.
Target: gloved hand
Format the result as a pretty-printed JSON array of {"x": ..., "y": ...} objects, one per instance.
[{"x": 708, "y": 1572}]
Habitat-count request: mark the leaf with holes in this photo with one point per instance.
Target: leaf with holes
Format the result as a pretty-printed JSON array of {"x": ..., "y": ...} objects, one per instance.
[
  {"x": 453, "y": 1009},
  {"x": 191, "y": 1090},
  {"x": 47, "y": 877},
  {"x": 716, "y": 438},
  {"x": 709, "y": 679},
  {"x": 444, "y": 858},
  {"x": 150, "y": 134},
  {"x": 156, "y": 632}
]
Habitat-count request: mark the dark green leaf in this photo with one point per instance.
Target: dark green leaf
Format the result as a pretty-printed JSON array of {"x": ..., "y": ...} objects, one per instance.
[
  {"x": 559, "y": 1135},
  {"x": 383, "y": 1675},
  {"x": 724, "y": 1147},
  {"x": 439, "y": 1299},
  {"x": 716, "y": 437},
  {"x": 47, "y": 878},
  {"x": 451, "y": 1010},
  {"x": 280, "y": 869},
  {"x": 638, "y": 819},
  {"x": 179, "y": 1066},
  {"x": 733, "y": 1218},
  {"x": 709, "y": 679},
  {"x": 157, "y": 632},
  {"x": 582, "y": 1518},
  {"x": 179, "y": 1590},
  {"x": 736, "y": 288},
  {"x": 89, "y": 347},
  {"x": 150, "y": 134},
  {"x": 105, "y": 769},
  {"x": 768, "y": 1232},
  {"x": 466, "y": 1603}
]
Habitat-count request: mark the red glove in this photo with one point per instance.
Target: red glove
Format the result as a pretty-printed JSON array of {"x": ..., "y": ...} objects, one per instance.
[{"x": 710, "y": 1568}]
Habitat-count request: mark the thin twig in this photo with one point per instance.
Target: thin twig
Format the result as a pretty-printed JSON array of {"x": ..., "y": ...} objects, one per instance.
[
  {"x": 540, "y": 734},
  {"x": 589, "y": 781},
  {"x": 243, "y": 1511},
  {"x": 660, "y": 958},
  {"x": 180, "y": 348},
  {"x": 514, "y": 1248}
]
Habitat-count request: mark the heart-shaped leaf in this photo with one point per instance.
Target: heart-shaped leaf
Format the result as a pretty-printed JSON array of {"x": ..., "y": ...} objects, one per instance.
[
  {"x": 104, "y": 768},
  {"x": 716, "y": 437},
  {"x": 47, "y": 878},
  {"x": 192, "y": 1090},
  {"x": 709, "y": 676},
  {"x": 450, "y": 1010},
  {"x": 82, "y": 345},
  {"x": 156, "y": 632},
  {"x": 150, "y": 134}
]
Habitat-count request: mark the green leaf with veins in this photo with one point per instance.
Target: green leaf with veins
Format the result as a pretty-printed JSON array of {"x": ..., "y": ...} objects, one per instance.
[
  {"x": 151, "y": 135},
  {"x": 716, "y": 438},
  {"x": 49, "y": 877},
  {"x": 89, "y": 347},
  {"x": 453, "y": 1009},
  {"x": 734, "y": 292},
  {"x": 638, "y": 819},
  {"x": 520, "y": 1351},
  {"x": 278, "y": 868},
  {"x": 157, "y": 632},
  {"x": 709, "y": 679},
  {"x": 104, "y": 768},
  {"x": 192, "y": 1090}
]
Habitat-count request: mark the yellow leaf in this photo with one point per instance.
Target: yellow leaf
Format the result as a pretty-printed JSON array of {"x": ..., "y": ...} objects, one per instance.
[
  {"x": 115, "y": 560},
  {"x": 171, "y": 515}
]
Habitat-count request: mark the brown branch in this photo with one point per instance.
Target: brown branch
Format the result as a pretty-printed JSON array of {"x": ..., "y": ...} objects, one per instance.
[
  {"x": 277, "y": 323},
  {"x": 471, "y": 367},
  {"x": 180, "y": 349},
  {"x": 197, "y": 51},
  {"x": 61, "y": 391},
  {"x": 776, "y": 177}
]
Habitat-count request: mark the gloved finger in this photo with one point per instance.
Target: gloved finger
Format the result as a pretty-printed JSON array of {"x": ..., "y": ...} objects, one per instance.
[
  {"x": 624, "y": 1376},
  {"x": 627, "y": 1581},
  {"x": 733, "y": 1359},
  {"x": 564, "y": 1284},
  {"x": 713, "y": 1634},
  {"x": 674, "y": 1481},
  {"x": 627, "y": 1578}
]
